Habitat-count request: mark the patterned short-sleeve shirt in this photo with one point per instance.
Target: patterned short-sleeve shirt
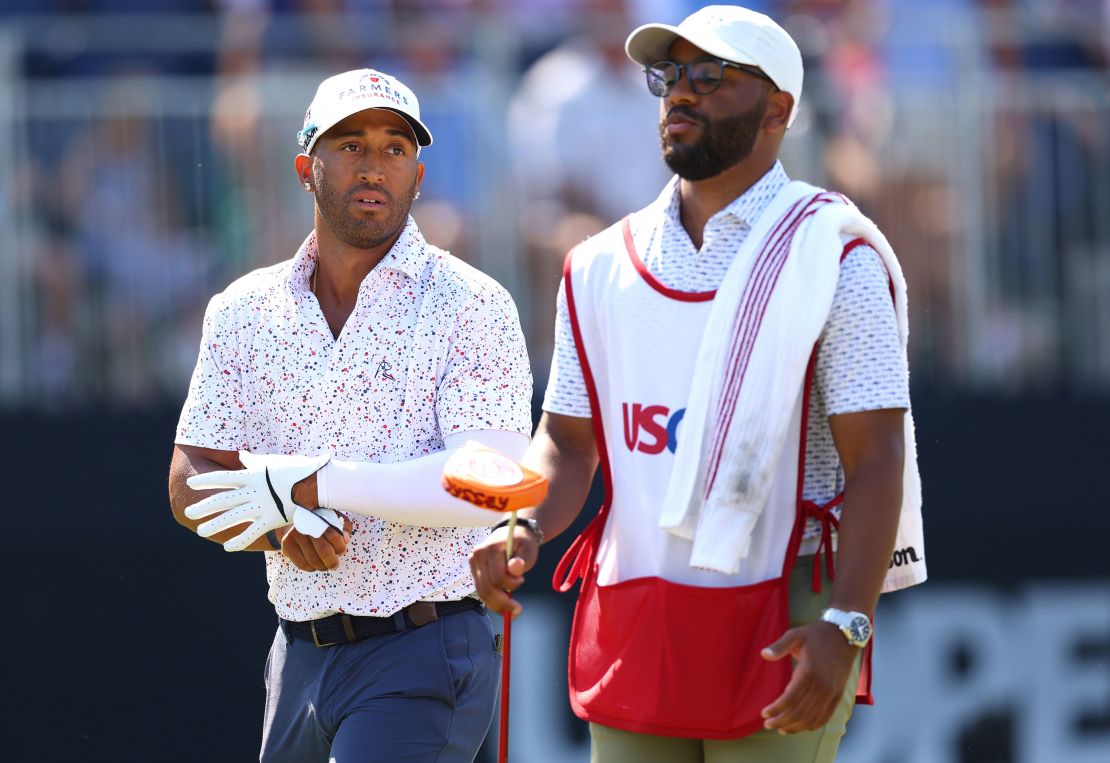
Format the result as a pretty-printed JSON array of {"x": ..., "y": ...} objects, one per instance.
[
  {"x": 433, "y": 347},
  {"x": 860, "y": 362}
]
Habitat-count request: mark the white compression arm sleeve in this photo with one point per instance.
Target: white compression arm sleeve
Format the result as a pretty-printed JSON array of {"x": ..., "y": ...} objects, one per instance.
[{"x": 411, "y": 492}]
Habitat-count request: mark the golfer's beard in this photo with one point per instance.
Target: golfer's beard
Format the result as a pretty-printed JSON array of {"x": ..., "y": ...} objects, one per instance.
[
  {"x": 356, "y": 232},
  {"x": 723, "y": 143}
]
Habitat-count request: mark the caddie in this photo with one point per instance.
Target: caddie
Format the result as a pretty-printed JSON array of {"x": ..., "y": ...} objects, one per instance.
[
  {"x": 329, "y": 391},
  {"x": 733, "y": 357}
]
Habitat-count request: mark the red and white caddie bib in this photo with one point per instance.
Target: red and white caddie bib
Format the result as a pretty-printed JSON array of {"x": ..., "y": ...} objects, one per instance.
[{"x": 657, "y": 646}]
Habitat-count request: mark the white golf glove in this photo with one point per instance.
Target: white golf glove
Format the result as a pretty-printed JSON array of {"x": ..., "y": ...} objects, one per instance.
[{"x": 261, "y": 494}]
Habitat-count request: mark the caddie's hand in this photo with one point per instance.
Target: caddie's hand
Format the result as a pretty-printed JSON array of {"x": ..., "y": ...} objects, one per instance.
[
  {"x": 312, "y": 554},
  {"x": 494, "y": 579},
  {"x": 258, "y": 495},
  {"x": 823, "y": 663}
]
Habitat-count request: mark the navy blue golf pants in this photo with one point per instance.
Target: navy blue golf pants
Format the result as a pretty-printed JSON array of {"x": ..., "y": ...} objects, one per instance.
[{"x": 423, "y": 695}]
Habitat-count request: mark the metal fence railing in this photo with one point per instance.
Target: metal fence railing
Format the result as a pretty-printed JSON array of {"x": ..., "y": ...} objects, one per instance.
[
  {"x": 134, "y": 199},
  {"x": 132, "y": 194}
]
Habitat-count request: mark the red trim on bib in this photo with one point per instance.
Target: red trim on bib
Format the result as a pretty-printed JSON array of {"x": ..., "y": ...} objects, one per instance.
[
  {"x": 855, "y": 244},
  {"x": 803, "y": 438},
  {"x": 579, "y": 557},
  {"x": 851, "y": 246},
  {"x": 587, "y": 376},
  {"x": 653, "y": 282},
  {"x": 863, "y": 691}
]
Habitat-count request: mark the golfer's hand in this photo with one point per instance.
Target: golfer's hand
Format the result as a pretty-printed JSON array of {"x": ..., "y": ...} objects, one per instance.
[
  {"x": 258, "y": 496},
  {"x": 494, "y": 579},
  {"x": 316, "y": 554},
  {"x": 823, "y": 663}
]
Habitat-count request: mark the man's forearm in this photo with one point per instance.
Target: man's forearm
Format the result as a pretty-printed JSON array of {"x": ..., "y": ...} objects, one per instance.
[
  {"x": 868, "y": 525},
  {"x": 563, "y": 450},
  {"x": 188, "y": 461}
]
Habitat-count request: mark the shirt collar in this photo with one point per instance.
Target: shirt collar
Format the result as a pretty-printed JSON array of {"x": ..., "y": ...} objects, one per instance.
[
  {"x": 408, "y": 255},
  {"x": 747, "y": 207},
  {"x": 304, "y": 261},
  {"x": 409, "y": 252}
]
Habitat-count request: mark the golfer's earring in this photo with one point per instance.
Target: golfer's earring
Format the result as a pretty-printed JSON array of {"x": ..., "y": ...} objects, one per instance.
[
  {"x": 307, "y": 186},
  {"x": 416, "y": 196}
]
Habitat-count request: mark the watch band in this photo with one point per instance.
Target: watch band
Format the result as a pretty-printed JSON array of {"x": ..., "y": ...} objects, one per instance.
[
  {"x": 856, "y": 626},
  {"x": 532, "y": 525}
]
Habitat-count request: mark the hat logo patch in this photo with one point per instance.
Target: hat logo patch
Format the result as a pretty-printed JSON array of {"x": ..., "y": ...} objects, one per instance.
[{"x": 715, "y": 20}]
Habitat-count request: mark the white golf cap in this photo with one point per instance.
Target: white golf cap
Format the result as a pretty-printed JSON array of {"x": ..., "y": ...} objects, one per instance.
[
  {"x": 730, "y": 32},
  {"x": 351, "y": 92}
]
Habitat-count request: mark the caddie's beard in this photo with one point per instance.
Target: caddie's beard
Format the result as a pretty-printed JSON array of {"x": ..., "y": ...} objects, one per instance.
[
  {"x": 354, "y": 229},
  {"x": 723, "y": 142}
]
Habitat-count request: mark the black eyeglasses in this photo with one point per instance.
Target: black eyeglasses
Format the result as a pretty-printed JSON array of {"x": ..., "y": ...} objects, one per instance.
[{"x": 704, "y": 75}]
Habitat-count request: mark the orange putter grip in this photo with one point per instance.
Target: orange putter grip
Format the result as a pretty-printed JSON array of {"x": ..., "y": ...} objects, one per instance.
[{"x": 491, "y": 480}]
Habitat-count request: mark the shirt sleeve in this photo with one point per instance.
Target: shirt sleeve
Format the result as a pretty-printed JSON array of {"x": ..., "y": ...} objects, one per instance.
[
  {"x": 861, "y": 363},
  {"x": 487, "y": 383},
  {"x": 566, "y": 386},
  {"x": 213, "y": 414}
]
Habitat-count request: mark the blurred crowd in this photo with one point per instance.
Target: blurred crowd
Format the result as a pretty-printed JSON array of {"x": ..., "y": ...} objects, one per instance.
[{"x": 155, "y": 143}]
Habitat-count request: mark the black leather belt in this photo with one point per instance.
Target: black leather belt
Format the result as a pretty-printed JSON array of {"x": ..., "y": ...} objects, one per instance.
[{"x": 347, "y": 629}]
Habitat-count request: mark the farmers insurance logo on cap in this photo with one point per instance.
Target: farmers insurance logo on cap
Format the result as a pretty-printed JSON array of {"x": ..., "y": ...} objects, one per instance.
[{"x": 348, "y": 93}]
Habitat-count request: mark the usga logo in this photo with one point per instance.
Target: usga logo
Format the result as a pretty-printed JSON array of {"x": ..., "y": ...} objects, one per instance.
[{"x": 651, "y": 428}]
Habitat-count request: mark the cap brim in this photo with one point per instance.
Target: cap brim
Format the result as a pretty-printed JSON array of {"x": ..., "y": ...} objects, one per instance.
[
  {"x": 420, "y": 132},
  {"x": 423, "y": 136},
  {"x": 652, "y": 42}
]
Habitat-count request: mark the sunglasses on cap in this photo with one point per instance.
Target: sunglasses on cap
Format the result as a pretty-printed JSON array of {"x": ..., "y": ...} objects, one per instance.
[{"x": 704, "y": 75}]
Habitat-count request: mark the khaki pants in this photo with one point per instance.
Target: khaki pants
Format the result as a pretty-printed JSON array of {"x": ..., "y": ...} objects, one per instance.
[{"x": 609, "y": 745}]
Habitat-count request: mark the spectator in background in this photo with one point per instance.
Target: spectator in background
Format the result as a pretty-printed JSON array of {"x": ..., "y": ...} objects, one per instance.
[
  {"x": 57, "y": 281},
  {"x": 883, "y": 114},
  {"x": 853, "y": 107},
  {"x": 44, "y": 296},
  {"x": 433, "y": 51},
  {"x": 121, "y": 30},
  {"x": 566, "y": 116},
  {"x": 1049, "y": 157},
  {"x": 584, "y": 148},
  {"x": 143, "y": 266},
  {"x": 933, "y": 81}
]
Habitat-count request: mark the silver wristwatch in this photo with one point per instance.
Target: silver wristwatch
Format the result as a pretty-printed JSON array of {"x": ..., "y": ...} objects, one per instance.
[
  {"x": 528, "y": 522},
  {"x": 855, "y": 626}
]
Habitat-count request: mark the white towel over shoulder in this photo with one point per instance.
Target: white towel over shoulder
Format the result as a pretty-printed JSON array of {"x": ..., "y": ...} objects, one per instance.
[{"x": 767, "y": 315}]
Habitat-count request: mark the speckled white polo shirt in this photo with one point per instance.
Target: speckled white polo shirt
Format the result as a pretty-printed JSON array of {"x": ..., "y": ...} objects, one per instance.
[{"x": 433, "y": 347}]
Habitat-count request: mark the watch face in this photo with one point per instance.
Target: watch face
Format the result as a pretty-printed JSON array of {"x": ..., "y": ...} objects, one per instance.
[{"x": 860, "y": 629}]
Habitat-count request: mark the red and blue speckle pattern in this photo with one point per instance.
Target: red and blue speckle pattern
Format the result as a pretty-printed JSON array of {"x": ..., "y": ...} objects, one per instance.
[{"x": 433, "y": 347}]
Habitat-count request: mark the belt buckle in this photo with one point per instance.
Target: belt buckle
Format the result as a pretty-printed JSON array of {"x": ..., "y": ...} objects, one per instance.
[
  {"x": 421, "y": 613},
  {"x": 316, "y": 638}
]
